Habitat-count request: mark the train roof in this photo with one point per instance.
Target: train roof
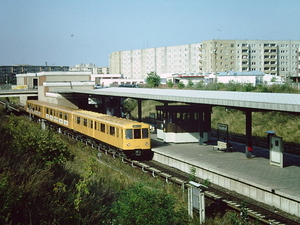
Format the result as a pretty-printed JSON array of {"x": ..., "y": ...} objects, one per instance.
[
  {"x": 121, "y": 121},
  {"x": 92, "y": 115},
  {"x": 61, "y": 107}
]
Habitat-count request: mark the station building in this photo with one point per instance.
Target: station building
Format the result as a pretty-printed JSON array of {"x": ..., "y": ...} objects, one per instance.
[{"x": 46, "y": 82}]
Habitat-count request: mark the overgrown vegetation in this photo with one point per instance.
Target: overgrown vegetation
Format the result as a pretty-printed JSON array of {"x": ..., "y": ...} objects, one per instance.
[{"x": 42, "y": 181}]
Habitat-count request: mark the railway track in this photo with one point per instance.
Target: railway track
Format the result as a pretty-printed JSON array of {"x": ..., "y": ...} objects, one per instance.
[{"x": 224, "y": 198}]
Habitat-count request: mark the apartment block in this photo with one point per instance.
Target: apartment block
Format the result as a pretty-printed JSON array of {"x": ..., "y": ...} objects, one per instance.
[
  {"x": 279, "y": 58},
  {"x": 138, "y": 63},
  {"x": 273, "y": 57}
]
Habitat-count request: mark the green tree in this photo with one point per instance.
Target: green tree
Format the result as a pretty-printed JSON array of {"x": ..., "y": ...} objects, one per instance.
[
  {"x": 181, "y": 85},
  {"x": 145, "y": 206},
  {"x": 153, "y": 80},
  {"x": 190, "y": 84},
  {"x": 170, "y": 84}
]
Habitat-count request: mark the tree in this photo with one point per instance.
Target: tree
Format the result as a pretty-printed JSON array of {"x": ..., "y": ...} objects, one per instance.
[
  {"x": 170, "y": 83},
  {"x": 181, "y": 85},
  {"x": 190, "y": 84},
  {"x": 153, "y": 80}
]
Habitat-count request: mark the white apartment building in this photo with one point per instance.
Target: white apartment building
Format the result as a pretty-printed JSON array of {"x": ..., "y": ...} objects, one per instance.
[
  {"x": 279, "y": 58},
  {"x": 174, "y": 59}
]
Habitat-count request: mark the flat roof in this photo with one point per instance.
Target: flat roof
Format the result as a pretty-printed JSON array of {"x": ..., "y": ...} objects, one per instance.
[{"x": 252, "y": 100}]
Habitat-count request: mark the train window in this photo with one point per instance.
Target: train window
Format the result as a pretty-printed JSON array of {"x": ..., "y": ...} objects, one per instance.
[
  {"x": 117, "y": 132},
  {"x": 50, "y": 111},
  {"x": 103, "y": 127},
  {"x": 91, "y": 123},
  {"x": 112, "y": 130},
  {"x": 78, "y": 120},
  {"x": 66, "y": 116},
  {"x": 145, "y": 133},
  {"x": 137, "y": 133},
  {"x": 85, "y": 122},
  {"x": 60, "y": 115},
  {"x": 95, "y": 125},
  {"x": 128, "y": 133},
  {"x": 47, "y": 111}
]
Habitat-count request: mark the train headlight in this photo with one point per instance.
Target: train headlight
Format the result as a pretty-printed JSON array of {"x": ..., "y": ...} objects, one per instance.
[
  {"x": 128, "y": 144},
  {"x": 146, "y": 143}
]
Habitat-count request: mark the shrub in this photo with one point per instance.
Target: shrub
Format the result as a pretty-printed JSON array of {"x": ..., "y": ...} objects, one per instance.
[
  {"x": 181, "y": 85},
  {"x": 142, "y": 205},
  {"x": 170, "y": 84}
]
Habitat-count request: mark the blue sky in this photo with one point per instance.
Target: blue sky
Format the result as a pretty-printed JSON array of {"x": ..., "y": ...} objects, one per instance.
[{"x": 69, "y": 32}]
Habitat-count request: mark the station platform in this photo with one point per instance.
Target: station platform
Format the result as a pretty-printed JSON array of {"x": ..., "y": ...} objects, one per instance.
[{"x": 256, "y": 171}]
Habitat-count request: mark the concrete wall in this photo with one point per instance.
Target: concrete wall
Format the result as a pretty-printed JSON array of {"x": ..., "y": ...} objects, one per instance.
[{"x": 241, "y": 186}]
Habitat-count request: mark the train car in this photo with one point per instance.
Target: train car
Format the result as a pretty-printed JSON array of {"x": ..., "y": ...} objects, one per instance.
[
  {"x": 126, "y": 137},
  {"x": 58, "y": 114},
  {"x": 35, "y": 107},
  {"x": 129, "y": 137}
]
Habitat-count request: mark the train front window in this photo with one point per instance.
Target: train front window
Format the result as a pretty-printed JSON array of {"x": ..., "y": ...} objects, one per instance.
[
  {"x": 137, "y": 133},
  {"x": 128, "y": 133},
  {"x": 145, "y": 133}
]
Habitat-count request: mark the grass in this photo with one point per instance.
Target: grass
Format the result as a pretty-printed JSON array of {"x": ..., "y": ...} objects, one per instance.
[{"x": 119, "y": 176}]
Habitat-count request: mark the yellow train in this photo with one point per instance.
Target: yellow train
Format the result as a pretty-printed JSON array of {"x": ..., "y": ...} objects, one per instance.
[{"x": 128, "y": 138}]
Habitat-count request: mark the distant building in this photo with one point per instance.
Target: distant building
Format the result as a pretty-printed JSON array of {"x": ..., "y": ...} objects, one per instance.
[
  {"x": 187, "y": 78},
  {"x": 47, "y": 83},
  {"x": 136, "y": 64},
  {"x": 275, "y": 57},
  {"x": 250, "y": 77},
  {"x": 8, "y": 73},
  {"x": 90, "y": 67},
  {"x": 108, "y": 80},
  {"x": 280, "y": 58}
]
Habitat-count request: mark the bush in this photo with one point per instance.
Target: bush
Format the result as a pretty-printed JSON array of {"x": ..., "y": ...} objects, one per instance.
[
  {"x": 170, "y": 84},
  {"x": 190, "y": 84},
  {"x": 181, "y": 85},
  {"x": 142, "y": 205}
]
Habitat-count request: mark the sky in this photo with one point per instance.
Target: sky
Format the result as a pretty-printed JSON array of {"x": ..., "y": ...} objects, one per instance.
[{"x": 69, "y": 32}]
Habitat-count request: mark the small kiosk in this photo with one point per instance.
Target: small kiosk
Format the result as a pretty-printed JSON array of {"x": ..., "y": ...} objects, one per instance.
[
  {"x": 182, "y": 123},
  {"x": 275, "y": 144}
]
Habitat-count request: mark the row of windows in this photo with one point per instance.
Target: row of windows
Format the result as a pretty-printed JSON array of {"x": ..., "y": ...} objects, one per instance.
[
  {"x": 129, "y": 133},
  {"x": 60, "y": 115},
  {"x": 34, "y": 107}
]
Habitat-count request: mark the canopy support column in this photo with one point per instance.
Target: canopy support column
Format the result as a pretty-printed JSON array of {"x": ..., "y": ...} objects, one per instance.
[{"x": 249, "y": 147}]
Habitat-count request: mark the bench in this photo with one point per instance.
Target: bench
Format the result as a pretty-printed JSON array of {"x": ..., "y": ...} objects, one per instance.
[{"x": 222, "y": 146}]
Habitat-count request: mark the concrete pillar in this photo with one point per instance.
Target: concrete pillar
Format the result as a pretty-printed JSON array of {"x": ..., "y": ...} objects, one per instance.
[
  {"x": 139, "y": 110},
  {"x": 249, "y": 147},
  {"x": 43, "y": 124},
  {"x": 207, "y": 125},
  {"x": 201, "y": 125}
]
